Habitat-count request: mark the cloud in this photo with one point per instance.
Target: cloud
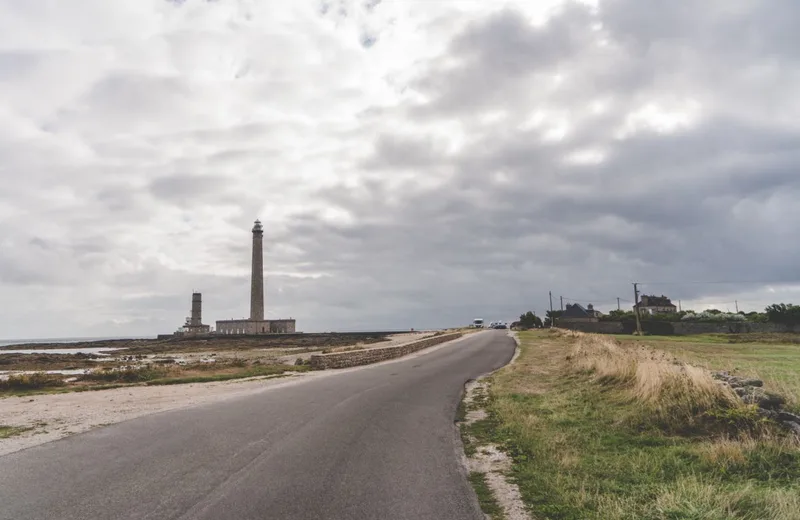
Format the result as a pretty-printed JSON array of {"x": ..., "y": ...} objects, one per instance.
[{"x": 413, "y": 165}]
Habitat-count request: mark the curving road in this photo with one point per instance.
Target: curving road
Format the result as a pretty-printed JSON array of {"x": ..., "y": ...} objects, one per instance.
[{"x": 377, "y": 442}]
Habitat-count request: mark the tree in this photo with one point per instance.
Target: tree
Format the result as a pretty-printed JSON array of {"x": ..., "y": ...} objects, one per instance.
[
  {"x": 530, "y": 321},
  {"x": 787, "y": 314},
  {"x": 551, "y": 317}
]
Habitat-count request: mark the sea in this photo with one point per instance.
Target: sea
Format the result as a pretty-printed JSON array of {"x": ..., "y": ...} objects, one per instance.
[{"x": 66, "y": 341}]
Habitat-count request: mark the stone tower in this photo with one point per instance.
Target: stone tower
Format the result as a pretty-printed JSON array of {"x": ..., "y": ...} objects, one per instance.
[
  {"x": 256, "y": 324},
  {"x": 197, "y": 310},
  {"x": 257, "y": 277}
]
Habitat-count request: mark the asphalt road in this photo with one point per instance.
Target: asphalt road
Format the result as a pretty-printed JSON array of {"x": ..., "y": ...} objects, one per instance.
[{"x": 373, "y": 443}]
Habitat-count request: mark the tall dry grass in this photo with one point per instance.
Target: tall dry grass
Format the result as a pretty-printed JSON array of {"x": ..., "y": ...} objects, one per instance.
[{"x": 675, "y": 393}]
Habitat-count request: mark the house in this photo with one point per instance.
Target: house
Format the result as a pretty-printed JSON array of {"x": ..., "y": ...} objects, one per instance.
[
  {"x": 577, "y": 312},
  {"x": 655, "y": 305}
]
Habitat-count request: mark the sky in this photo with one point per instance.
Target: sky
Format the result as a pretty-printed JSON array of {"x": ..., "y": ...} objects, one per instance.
[{"x": 415, "y": 163}]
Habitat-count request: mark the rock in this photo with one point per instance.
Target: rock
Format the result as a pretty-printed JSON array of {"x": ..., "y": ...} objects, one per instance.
[
  {"x": 768, "y": 414},
  {"x": 737, "y": 382},
  {"x": 722, "y": 376},
  {"x": 788, "y": 417},
  {"x": 794, "y": 427},
  {"x": 751, "y": 395},
  {"x": 752, "y": 382},
  {"x": 768, "y": 400}
]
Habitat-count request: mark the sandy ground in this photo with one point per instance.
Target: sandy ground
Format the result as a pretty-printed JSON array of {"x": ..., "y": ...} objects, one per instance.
[{"x": 53, "y": 416}]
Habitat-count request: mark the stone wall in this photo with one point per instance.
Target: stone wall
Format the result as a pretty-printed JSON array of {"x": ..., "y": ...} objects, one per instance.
[
  {"x": 282, "y": 326},
  {"x": 374, "y": 355},
  {"x": 228, "y": 327},
  {"x": 598, "y": 327},
  {"x": 686, "y": 328},
  {"x": 682, "y": 328}
]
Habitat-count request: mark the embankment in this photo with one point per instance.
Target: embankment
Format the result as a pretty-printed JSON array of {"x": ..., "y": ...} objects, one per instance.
[{"x": 374, "y": 355}]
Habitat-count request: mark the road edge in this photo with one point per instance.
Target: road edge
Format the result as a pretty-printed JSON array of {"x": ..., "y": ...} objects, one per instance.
[{"x": 484, "y": 464}]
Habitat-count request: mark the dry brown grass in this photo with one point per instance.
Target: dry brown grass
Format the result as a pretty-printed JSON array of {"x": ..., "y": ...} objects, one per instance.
[{"x": 676, "y": 393}]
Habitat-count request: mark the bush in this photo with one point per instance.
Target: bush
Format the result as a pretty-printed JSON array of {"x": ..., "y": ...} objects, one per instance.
[
  {"x": 757, "y": 317},
  {"x": 32, "y": 381},
  {"x": 128, "y": 375},
  {"x": 787, "y": 314},
  {"x": 531, "y": 321},
  {"x": 711, "y": 316}
]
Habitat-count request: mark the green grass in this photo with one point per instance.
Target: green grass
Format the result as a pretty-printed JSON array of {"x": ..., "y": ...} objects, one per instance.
[
  {"x": 698, "y": 338},
  {"x": 130, "y": 375},
  {"x": 584, "y": 450},
  {"x": 10, "y": 431},
  {"x": 486, "y": 499}
]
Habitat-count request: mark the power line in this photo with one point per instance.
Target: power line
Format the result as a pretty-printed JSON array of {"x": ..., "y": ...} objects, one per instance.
[
  {"x": 689, "y": 282},
  {"x": 592, "y": 300}
]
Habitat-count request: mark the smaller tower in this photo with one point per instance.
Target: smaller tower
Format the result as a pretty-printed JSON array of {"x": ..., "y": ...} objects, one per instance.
[
  {"x": 197, "y": 309},
  {"x": 194, "y": 323}
]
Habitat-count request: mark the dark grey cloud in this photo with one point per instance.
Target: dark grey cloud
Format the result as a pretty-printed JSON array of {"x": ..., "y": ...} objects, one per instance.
[
  {"x": 635, "y": 141},
  {"x": 661, "y": 205}
]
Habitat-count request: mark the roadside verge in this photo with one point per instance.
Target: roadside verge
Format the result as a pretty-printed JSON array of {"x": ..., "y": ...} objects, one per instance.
[
  {"x": 489, "y": 466},
  {"x": 598, "y": 430}
]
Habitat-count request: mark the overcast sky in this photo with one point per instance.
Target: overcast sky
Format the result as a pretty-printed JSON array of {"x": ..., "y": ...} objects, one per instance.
[{"x": 415, "y": 163}]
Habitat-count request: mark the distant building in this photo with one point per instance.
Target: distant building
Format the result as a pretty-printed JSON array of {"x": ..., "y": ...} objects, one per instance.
[
  {"x": 575, "y": 312},
  {"x": 655, "y": 305},
  {"x": 194, "y": 324}
]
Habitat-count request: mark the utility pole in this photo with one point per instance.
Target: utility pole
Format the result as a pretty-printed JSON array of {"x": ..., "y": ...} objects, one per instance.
[
  {"x": 562, "y": 303},
  {"x": 552, "y": 318},
  {"x": 636, "y": 308},
  {"x": 618, "y": 307}
]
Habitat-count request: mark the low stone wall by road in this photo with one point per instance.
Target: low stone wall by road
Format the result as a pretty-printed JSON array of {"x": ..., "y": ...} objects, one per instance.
[{"x": 373, "y": 355}]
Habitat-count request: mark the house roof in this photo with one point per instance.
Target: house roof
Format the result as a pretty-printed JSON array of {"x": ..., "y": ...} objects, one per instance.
[
  {"x": 576, "y": 310},
  {"x": 656, "y": 301}
]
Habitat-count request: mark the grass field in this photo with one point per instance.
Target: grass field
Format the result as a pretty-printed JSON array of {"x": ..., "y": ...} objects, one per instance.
[
  {"x": 607, "y": 431},
  {"x": 761, "y": 356}
]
